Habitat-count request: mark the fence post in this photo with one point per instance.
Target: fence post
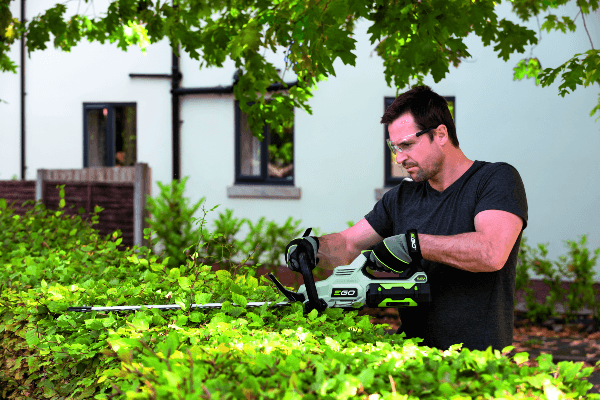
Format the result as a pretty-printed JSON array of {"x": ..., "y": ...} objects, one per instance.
[
  {"x": 39, "y": 186},
  {"x": 140, "y": 189}
]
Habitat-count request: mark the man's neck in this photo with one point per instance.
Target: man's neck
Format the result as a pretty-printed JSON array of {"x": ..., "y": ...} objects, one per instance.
[{"x": 451, "y": 172}]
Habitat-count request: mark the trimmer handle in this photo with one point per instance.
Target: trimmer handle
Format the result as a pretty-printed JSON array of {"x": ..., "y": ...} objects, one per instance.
[
  {"x": 409, "y": 270},
  {"x": 314, "y": 302}
]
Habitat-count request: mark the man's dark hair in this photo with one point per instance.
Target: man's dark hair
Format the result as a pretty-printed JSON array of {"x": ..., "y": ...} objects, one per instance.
[{"x": 428, "y": 109}]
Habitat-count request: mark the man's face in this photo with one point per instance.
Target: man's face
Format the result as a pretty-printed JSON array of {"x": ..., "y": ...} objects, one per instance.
[{"x": 423, "y": 160}]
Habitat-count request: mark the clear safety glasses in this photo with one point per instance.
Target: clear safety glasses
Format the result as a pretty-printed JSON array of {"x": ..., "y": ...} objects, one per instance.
[{"x": 407, "y": 145}]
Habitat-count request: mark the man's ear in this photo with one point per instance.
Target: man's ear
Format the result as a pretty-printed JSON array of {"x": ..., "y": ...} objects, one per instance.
[{"x": 441, "y": 134}]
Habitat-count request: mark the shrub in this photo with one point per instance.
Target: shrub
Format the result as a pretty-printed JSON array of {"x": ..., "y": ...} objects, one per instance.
[
  {"x": 234, "y": 352},
  {"x": 578, "y": 268}
]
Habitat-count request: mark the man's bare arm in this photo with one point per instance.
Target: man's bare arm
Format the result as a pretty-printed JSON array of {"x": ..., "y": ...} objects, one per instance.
[{"x": 342, "y": 248}]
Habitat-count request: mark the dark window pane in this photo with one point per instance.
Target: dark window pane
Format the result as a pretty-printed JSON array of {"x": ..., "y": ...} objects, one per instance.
[
  {"x": 250, "y": 149},
  {"x": 281, "y": 154},
  {"x": 125, "y": 137},
  {"x": 97, "y": 120}
]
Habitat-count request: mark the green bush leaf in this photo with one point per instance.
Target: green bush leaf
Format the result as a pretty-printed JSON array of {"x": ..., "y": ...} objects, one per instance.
[
  {"x": 184, "y": 282},
  {"x": 202, "y": 298},
  {"x": 520, "y": 358},
  {"x": 94, "y": 324},
  {"x": 32, "y": 338},
  {"x": 239, "y": 300},
  {"x": 174, "y": 273},
  {"x": 223, "y": 275},
  {"x": 141, "y": 321}
]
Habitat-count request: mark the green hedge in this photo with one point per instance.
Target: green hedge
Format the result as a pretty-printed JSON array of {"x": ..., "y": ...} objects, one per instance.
[
  {"x": 51, "y": 261},
  {"x": 577, "y": 267}
]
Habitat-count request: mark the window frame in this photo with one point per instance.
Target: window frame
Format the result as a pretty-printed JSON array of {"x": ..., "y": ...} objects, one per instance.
[
  {"x": 264, "y": 178},
  {"x": 390, "y": 181},
  {"x": 110, "y": 130}
]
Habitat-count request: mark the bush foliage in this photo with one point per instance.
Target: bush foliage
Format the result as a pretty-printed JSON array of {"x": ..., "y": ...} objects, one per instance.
[{"x": 52, "y": 261}]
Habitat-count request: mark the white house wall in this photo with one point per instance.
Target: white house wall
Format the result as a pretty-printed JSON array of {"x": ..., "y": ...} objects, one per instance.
[
  {"x": 338, "y": 149},
  {"x": 10, "y": 115},
  {"x": 552, "y": 141},
  {"x": 59, "y": 83}
]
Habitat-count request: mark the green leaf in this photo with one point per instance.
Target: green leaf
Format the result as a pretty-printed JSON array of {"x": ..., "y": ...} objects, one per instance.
[
  {"x": 239, "y": 300},
  {"x": 545, "y": 361},
  {"x": 141, "y": 321},
  {"x": 521, "y": 357},
  {"x": 446, "y": 389},
  {"x": 513, "y": 38},
  {"x": 157, "y": 267},
  {"x": 184, "y": 282},
  {"x": 182, "y": 320},
  {"x": 223, "y": 275},
  {"x": 32, "y": 338},
  {"x": 94, "y": 324},
  {"x": 196, "y": 316},
  {"x": 202, "y": 298},
  {"x": 109, "y": 321},
  {"x": 256, "y": 320},
  {"x": 174, "y": 273},
  {"x": 182, "y": 302},
  {"x": 528, "y": 68},
  {"x": 365, "y": 324},
  {"x": 367, "y": 376}
]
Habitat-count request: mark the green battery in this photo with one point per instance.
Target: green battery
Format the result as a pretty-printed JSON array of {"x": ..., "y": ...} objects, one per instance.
[{"x": 397, "y": 294}]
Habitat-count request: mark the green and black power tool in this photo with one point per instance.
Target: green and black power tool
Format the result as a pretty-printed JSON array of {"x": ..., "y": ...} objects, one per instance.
[{"x": 350, "y": 287}]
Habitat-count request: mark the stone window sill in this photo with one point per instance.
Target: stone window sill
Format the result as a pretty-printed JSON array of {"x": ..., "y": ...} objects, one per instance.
[{"x": 263, "y": 192}]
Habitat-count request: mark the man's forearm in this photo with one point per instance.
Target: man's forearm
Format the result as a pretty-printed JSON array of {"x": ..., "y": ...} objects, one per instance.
[
  {"x": 333, "y": 251},
  {"x": 467, "y": 251}
]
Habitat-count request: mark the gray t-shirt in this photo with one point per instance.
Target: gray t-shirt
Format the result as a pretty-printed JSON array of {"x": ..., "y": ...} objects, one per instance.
[{"x": 475, "y": 309}]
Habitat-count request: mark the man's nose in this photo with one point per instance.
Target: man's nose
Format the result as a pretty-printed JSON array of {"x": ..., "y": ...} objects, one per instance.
[{"x": 400, "y": 157}]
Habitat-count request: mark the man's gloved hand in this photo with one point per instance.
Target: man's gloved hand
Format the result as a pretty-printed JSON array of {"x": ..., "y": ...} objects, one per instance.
[
  {"x": 391, "y": 254},
  {"x": 307, "y": 244}
]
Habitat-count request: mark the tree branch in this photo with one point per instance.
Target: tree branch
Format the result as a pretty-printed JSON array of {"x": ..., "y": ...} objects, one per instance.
[{"x": 585, "y": 26}]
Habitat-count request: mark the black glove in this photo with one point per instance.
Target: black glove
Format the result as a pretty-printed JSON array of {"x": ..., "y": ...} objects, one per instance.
[
  {"x": 392, "y": 253},
  {"x": 305, "y": 244}
]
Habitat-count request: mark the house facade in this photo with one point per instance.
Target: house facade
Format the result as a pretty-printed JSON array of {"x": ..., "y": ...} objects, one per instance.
[{"x": 99, "y": 105}]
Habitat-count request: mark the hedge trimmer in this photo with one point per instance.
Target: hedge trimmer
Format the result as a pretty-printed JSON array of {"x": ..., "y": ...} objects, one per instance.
[{"x": 350, "y": 287}]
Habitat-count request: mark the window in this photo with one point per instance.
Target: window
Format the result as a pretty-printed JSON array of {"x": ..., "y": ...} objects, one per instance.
[
  {"x": 395, "y": 173},
  {"x": 270, "y": 162},
  {"x": 109, "y": 134}
]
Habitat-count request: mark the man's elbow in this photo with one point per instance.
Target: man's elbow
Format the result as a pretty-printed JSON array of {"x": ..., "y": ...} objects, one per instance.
[
  {"x": 496, "y": 267},
  {"x": 497, "y": 264}
]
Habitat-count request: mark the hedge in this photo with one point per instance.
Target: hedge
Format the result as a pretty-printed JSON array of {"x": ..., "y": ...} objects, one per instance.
[{"x": 52, "y": 261}]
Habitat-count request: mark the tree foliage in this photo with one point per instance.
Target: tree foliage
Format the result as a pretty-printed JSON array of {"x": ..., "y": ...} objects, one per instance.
[
  {"x": 575, "y": 71},
  {"x": 414, "y": 39}
]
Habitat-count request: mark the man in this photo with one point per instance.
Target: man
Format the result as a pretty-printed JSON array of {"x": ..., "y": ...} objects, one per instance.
[{"x": 469, "y": 217}]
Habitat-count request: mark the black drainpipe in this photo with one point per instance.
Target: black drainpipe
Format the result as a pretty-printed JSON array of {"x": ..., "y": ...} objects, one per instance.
[
  {"x": 176, "y": 117},
  {"x": 23, "y": 167}
]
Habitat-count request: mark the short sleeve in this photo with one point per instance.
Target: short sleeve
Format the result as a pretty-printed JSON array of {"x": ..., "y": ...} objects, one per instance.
[
  {"x": 502, "y": 189},
  {"x": 381, "y": 217}
]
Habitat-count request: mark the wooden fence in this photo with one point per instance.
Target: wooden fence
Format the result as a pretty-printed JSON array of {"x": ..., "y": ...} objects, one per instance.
[
  {"x": 18, "y": 192},
  {"x": 121, "y": 191}
]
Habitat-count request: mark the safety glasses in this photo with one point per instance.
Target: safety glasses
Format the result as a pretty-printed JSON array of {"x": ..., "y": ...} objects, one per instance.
[{"x": 406, "y": 145}]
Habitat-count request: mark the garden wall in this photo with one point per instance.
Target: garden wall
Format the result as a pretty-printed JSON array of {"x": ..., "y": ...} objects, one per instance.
[{"x": 120, "y": 191}]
